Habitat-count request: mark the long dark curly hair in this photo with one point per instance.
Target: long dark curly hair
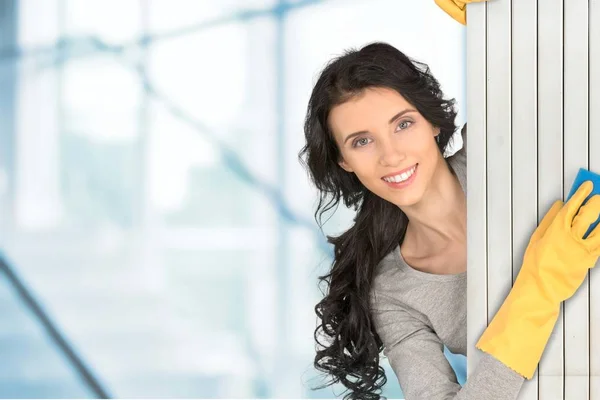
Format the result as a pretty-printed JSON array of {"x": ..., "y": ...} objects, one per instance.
[{"x": 350, "y": 354}]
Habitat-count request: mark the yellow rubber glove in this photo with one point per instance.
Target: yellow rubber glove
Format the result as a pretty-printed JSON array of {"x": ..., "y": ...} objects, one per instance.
[
  {"x": 457, "y": 9},
  {"x": 555, "y": 264}
]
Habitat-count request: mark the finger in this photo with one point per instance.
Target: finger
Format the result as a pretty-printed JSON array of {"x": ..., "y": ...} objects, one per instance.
[
  {"x": 575, "y": 202},
  {"x": 587, "y": 215},
  {"x": 546, "y": 221},
  {"x": 593, "y": 241}
]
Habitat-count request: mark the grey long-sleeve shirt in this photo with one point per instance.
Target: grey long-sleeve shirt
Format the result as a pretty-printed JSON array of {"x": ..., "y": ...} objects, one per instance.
[{"x": 416, "y": 313}]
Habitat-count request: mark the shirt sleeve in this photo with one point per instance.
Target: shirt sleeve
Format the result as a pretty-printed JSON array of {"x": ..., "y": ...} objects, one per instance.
[{"x": 416, "y": 354}]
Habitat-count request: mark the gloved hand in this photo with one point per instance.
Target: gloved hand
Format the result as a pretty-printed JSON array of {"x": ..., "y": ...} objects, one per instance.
[
  {"x": 555, "y": 264},
  {"x": 457, "y": 9}
]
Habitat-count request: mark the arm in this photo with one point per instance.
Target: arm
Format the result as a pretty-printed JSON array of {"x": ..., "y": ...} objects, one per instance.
[
  {"x": 554, "y": 266},
  {"x": 556, "y": 262},
  {"x": 417, "y": 357}
]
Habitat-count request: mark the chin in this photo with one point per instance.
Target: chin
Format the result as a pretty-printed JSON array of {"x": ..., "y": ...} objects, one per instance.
[
  {"x": 408, "y": 200},
  {"x": 405, "y": 197}
]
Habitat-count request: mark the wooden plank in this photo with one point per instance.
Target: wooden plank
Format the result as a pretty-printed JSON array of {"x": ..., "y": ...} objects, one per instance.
[
  {"x": 524, "y": 141},
  {"x": 576, "y": 156},
  {"x": 594, "y": 158},
  {"x": 550, "y": 169},
  {"x": 476, "y": 180},
  {"x": 499, "y": 185}
]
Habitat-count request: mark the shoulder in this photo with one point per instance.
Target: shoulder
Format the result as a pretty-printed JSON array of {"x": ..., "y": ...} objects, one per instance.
[
  {"x": 381, "y": 276},
  {"x": 392, "y": 289},
  {"x": 458, "y": 161},
  {"x": 462, "y": 152},
  {"x": 392, "y": 317},
  {"x": 387, "y": 284},
  {"x": 463, "y": 133}
]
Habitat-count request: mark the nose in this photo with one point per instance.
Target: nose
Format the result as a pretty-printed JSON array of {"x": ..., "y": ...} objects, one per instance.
[{"x": 390, "y": 155}]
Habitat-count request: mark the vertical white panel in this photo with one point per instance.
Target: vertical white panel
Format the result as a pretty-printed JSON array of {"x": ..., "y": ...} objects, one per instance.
[
  {"x": 576, "y": 156},
  {"x": 499, "y": 154},
  {"x": 524, "y": 140},
  {"x": 594, "y": 130},
  {"x": 476, "y": 180},
  {"x": 550, "y": 153},
  {"x": 555, "y": 81}
]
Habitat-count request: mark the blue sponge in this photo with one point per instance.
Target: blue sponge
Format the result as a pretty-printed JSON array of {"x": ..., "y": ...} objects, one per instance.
[{"x": 582, "y": 176}]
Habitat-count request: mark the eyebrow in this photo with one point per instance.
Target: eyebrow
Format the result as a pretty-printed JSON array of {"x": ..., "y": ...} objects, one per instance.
[{"x": 395, "y": 117}]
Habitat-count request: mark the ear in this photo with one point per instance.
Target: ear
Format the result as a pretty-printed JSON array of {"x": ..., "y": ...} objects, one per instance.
[{"x": 345, "y": 166}]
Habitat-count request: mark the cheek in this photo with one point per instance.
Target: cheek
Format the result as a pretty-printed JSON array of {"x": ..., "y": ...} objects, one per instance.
[
  {"x": 366, "y": 171},
  {"x": 429, "y": 153},
  {"x": 425, "y": 142},
  {"x": 366, "y": 175},
  {"x": 361, "y": 162},
  {"x": 425, "y": 150}
]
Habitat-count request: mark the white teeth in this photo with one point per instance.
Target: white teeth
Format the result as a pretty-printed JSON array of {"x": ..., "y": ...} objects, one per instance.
[{"x": 400, "y": 177}]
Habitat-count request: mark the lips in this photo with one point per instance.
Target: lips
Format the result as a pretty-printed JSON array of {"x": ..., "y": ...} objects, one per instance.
[
  {"x": 400, "y": 176},
  {"x": 400, "y": 172},
  {"x": 401, "y": 179}
]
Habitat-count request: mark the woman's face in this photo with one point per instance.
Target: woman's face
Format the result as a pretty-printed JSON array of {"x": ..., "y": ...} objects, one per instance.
[{"x": 388, "y": 144}]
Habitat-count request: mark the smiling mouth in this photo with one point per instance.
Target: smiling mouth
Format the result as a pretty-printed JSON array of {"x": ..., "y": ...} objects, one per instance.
[{"x": 402, "y": 177}]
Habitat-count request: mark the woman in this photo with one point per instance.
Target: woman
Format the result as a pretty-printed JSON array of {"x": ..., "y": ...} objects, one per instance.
[{"x": 376, "y": 129}]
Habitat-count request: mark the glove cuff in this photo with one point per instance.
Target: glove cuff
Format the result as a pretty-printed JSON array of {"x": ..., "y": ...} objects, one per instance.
[
  {"x": 520, "y": 330},
  {"x": 459, "y": 13}
]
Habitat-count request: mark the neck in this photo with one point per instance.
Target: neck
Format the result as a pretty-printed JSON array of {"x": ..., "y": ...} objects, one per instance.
[{"x": 440, "y": 217}]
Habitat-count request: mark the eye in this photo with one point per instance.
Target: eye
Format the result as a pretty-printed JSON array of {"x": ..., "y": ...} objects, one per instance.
[
  {"x": 360, "y": 142},
  {"x": 404, "y": 124}
]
